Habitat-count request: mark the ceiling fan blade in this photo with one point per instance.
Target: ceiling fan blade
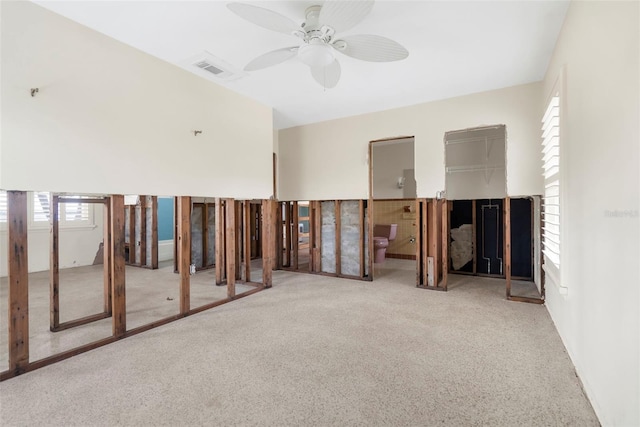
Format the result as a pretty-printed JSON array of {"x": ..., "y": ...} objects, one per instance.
[
  {"x": 264, "y": 17},
  {"x": 343, "y": 15},
  {"x": 328, "y": 76},
  {"x": 271, "y": 58},
  {"x": 371, "y": 48}
]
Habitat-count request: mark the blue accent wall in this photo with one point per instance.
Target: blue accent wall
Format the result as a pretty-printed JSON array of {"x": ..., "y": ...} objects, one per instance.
[{"x": 165, "y": 218}]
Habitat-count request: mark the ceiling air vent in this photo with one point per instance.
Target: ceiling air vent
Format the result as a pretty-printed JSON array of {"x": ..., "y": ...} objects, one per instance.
[{"x": 207, "y": 65}]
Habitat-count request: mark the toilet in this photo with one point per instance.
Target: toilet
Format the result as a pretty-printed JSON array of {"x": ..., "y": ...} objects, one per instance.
[{"x": 382, "y": 235}]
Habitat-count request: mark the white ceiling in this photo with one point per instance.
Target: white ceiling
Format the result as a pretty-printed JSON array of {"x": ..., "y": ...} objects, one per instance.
[{"x": 455, "y": 48}]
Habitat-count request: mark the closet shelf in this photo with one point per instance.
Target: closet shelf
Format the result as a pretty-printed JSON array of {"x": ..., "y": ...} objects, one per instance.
[{"x": 473, "y": 168}]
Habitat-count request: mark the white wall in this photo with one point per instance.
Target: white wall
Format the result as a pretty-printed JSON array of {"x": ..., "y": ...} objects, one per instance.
[
  {"x": 78, "y": 245},
  {"x": 390, "y": 160},
  {"x": 111, "y": 119},
  {"x": 598, "y": 319},
  {"x": 328, "y": 160}
]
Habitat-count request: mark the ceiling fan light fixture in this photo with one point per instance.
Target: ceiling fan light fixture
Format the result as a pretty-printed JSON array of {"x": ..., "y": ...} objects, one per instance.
[{"x": 316, "y": 54}]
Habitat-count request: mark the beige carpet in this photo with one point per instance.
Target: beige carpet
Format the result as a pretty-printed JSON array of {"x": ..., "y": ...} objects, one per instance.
[{"x": 321, "y": 351}]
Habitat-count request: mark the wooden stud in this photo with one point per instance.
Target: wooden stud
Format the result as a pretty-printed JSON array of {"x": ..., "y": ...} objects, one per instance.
[
  {"x": 219, "y": 247},
  {"x": 154, "y": 232},
  {"x": 362, "y": 228},
  {"x": 230, "y": 237},
  {"x": 119, "y": 307},
  {"x": 507, "y": 243},
  {"x": 267, "y": 242},
  {"x": 445, "y": 242},
  {"x": 132, "y": 235},
  {"x": 54, "y": 264},
  {"x": 278, "y": 237},
  {"x": 474, "y": 237},
  {"x": 420, "y": 257},
  {"x": 287, "y": 229},
  {"x": 106, "y": 257},
  {"x": 295, "y": 235},
  {"x": 434, "y": 245},
  {"x": 316, "y": 248},
  {"x": 338, "y": 226},
  {"x": 143, "y": 231},
  {"x": 175, "y": 235},
  {"x": 246, "y": 233},
  {"x": 184, "y": 252},
  {"x": 238, "y": 233},
  {"x": 17, "y": 220}
]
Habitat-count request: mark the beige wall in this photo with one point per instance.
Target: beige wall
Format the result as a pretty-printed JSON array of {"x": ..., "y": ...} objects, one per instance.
[
  {"x": 598, "y": 317},
  {"x": 329, "y": 160},
  {"x": 111, "y": 119}
]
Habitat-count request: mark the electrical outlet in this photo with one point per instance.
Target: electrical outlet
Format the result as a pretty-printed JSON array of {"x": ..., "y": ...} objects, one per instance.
[{"x": 192, "y": 269}]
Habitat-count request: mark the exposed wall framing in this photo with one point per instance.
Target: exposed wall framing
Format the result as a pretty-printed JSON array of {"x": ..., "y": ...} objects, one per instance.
[
  {"x": 141, "y": 245},
  {"x": 54, "y": 265},
  {"x": 337, "y": 238},
  {"x": 431, "y": 256},
  {"x": 228, "y": 224}
]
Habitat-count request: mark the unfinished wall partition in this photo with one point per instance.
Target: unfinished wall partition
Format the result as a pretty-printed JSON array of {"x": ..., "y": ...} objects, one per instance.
[
  {"x": 331, "y": 239},
  {"x": 141, "y": 231},
  {"x": 124, "y": 311}
]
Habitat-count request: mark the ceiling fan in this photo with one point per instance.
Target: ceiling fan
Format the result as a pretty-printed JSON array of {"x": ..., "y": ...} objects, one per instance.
[{"x": 318, "y": 38}]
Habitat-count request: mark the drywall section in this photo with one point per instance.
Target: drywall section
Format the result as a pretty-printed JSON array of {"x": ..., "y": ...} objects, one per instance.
[
  {"x": 598, "y": 319},
  {"x": 350, "y": 245},
  {"x": 106, "y": 110},
  {"x": 328, "y": 236},
  {"x": 329, "y": 160},
  {"x": 78, "y": 245},
  {"x": 389, "y": 160}
]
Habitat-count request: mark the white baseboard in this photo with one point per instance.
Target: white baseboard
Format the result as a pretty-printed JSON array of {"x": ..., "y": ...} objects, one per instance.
[{"x": 165, "y": 250}]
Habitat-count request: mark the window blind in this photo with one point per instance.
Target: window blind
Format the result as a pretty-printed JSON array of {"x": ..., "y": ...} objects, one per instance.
[{"x": 551, "y": 173}]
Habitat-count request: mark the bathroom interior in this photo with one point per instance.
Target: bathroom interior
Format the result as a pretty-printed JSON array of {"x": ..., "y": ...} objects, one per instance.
[{"x": 394, "y": 213}]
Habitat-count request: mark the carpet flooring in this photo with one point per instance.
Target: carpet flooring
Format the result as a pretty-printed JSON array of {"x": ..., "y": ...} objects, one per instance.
[{"x": 316, "y": 350}]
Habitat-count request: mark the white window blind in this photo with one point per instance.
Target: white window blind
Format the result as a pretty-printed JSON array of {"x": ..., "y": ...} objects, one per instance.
[
  {"x": 73, "y": 212},
  {"x": 41, "y": 206},
  {"x": 551, "y": 172},
  {"x": 3, "y": 206}
]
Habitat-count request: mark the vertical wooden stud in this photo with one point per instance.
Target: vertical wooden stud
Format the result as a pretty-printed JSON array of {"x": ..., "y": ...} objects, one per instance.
[
  {"x": 507, "y": 244},
  {"x": 474, "y": 237},
  {"x": 219, "y": 247},
  {"x": 154, "y": 232},
  {"x": 362, "y": 228},
  {"x": 419, "y": 237},
  {"x": 106, "y": 256},
  {"x": 119, "y": 308},
  {"x": 175, "y": 235},
  {"x": 18, "y": 280},
  {"x": 369, "y": 225},
  {"x": 184, "y": 252},
  {"x": 295, "y": 236},
  {"x": 287, "y": 229},
  {"x": 230, "y": 238},
  {"x": 54, "y": 264},
  {"x": 246, "y": 233},
  {"x": 337, "y": 225},
  {"x": 268, "y": 247},
  {"x": 143, "y": 230},
  {"x": 279, "y": 238},
  {"x": 132, "y": 234},
  {"x": 239, "y": 241},
  {"x": 434, "y": 243},
  {"x": 445, "y": 243},
  {"x": 424, "y": 223}
]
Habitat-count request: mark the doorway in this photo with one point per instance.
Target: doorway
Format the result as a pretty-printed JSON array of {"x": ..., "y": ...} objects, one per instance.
[{"x": 392, "y": 190}]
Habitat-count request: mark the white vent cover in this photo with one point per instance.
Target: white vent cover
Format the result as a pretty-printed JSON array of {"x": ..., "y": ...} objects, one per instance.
[{"x": 207, "y": 65}]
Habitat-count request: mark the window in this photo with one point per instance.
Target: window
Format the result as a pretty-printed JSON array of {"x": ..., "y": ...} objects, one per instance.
[
  {"x": 551, "y": 198},
  {"x": 71, "y": 214}
]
